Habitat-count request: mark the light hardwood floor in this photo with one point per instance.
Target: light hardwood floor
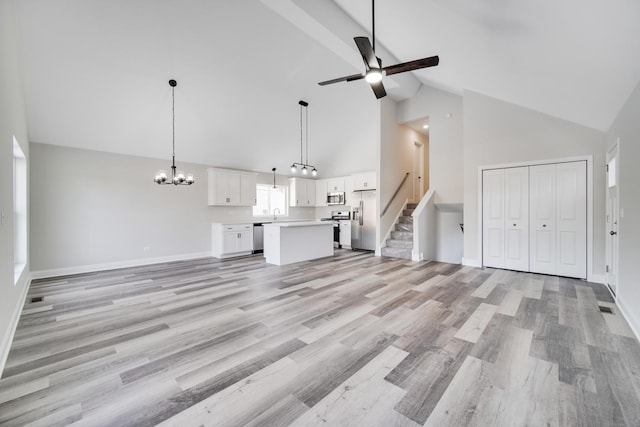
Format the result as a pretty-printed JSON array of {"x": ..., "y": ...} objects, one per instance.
[{"x": 347, "y": 340}]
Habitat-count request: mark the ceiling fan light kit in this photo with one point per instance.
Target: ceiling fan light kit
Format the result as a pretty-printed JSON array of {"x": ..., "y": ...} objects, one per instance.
[
  {"x": 373, "y": 65},
  {"x": 304, "y": 167},
  {"x": 177, "y": 177}
]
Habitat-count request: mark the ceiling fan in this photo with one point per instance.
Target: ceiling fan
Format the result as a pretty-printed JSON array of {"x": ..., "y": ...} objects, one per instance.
[{"x": 374, "y": 71}]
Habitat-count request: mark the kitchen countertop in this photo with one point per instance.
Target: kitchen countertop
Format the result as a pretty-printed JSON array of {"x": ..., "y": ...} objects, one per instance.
[
  {"x": 264, "y": 221},
  {"x": 298, "y": 223}
]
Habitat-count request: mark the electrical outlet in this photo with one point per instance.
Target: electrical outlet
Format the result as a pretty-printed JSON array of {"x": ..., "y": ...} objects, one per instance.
[
  {"x": 146, "y": 248},
  {"x": 2, "y": 217}
]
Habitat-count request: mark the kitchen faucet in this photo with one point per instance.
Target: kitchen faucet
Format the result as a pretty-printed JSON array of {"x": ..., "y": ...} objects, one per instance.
[{"x": 274, "y": 213}]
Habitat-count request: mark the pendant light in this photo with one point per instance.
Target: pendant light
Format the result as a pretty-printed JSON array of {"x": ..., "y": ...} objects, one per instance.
[
  {"x": 177, "y": 178},
  {"x": 274, "y": 177},
  {"x": 304, "y": 167}
]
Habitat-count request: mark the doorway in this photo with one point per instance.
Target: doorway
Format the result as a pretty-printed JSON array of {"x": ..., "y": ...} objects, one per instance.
[{"x": 613, "y": 216}]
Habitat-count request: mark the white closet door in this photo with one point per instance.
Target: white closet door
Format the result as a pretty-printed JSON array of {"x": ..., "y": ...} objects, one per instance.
[
  {"x": 493, "y": 218},
  {"x": 571, "y": 179},
  {"x": 542, "y": 184},
  {"x": 516, "y": 194}
]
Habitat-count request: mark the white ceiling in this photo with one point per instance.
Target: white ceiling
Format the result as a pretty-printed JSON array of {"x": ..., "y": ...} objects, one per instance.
[{"x": 96, "y": 71}]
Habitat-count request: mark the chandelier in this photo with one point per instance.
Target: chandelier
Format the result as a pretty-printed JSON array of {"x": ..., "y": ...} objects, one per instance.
[
  {"x": 305, "y": 167},
  {"x": 177, "y": 178}
]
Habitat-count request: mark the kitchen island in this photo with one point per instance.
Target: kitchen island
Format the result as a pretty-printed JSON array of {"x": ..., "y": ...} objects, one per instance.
[{"x": 289, "y": 242}]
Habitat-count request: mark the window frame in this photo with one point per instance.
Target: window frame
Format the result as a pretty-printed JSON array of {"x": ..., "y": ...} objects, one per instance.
[{"x": 269, "y": 187}]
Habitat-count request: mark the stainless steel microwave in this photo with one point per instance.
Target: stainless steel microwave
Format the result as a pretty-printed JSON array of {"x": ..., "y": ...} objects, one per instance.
[{"x": 335, "y": 198}]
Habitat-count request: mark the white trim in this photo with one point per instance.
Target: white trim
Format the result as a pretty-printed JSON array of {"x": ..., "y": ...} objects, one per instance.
[
  {"x": 590, "y": 200},
  {"x": 7, "y": 339},
  {"x": 471, "y": 262},
  {"x": 113, "y": 265},
  {"x": 632, "y": 321}
]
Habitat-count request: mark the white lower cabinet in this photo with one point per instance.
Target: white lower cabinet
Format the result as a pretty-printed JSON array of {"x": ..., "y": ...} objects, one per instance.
[
  {"x": 345, "y": 233},
  {"x": 231, "y": 239}
]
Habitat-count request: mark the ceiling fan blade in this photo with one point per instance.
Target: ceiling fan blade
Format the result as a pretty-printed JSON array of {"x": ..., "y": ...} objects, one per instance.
[
  {"x": 368, "y": 55},
  {"x": 378, "y": 89},
  {"x": 412, "y": 65},
  {"x": 342, "y": 79}
]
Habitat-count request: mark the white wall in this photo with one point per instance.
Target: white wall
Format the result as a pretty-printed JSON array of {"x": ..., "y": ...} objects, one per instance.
[
  {"x": 449, "y": 241},
  {"x": 12, "y": 122},
  {"x": 627, "y": 128},
  {"x": 444, "y": 111},
  {"x": 94, "y": 210},
  {"x": 496, "y": 132}
]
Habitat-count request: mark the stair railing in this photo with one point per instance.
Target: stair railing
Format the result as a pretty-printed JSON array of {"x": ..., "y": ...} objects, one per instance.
[{"x": 386, "y": 208}]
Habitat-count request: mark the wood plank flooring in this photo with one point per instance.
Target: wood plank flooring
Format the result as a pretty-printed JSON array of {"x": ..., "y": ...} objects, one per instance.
[{"x": 347, "y": 340}]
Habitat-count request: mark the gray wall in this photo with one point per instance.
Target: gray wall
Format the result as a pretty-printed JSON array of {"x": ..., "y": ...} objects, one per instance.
[
  {"x": 627, "y": 128},
  {"x": 444, "y": 111},
  {"x": 496, "y": 132},
  {"x": 12, "y": 122},
  {"x": 93, "y": 209}
]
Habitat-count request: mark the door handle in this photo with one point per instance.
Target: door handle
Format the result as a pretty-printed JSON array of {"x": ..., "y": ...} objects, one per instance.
[{"x": 613, "y": 233}]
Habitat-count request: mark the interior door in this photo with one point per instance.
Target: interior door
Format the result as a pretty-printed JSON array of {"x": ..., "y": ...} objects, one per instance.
[
  {"x": 418, "y": 172},
  {"x": 493, "y": 218},
  {"x": 571, "y": 219},
  {"x": 542, "y": 187},
  {"x": 611, "y": 270},
  {"x": 516, "y": 221}
]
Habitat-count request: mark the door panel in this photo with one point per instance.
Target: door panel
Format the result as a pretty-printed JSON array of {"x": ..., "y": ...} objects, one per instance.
[
  {"x": 493, "y": 218},
  {"x": 572, "y": 219},
  {"x": 517, "y": 218},
  {"x": 542, "y": 219}
]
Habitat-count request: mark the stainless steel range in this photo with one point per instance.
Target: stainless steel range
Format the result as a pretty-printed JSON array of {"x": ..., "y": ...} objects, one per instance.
[{"x": 336, "y": 217}]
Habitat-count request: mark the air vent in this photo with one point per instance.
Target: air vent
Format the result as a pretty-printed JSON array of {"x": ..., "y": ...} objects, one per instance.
[
  {"x": 36, "y": 299},
  {"x": 605, "y": 309}
]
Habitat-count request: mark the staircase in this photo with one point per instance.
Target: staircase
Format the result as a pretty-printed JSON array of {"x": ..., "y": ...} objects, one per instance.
[{"x": 401, "y": 242}]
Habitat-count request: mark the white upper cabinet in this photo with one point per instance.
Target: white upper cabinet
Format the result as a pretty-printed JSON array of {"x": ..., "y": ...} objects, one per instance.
[
  {"x": 335, "y": 185},
  {"x": 321, "y": 192},
  {"x": 364, "y": 181},
  {"x": 231, "y": 188},
  {"x": 248, "y": 189},
  {"x": 302, "y": 192}
]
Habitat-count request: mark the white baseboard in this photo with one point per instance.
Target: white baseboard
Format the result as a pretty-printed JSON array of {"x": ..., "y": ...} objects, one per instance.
[
  {"x": 113, "y": 265},
  {"x": 471, "y": 262},
  {"x": 7, "y": 338},
  {"x": 631, "y": 320}
]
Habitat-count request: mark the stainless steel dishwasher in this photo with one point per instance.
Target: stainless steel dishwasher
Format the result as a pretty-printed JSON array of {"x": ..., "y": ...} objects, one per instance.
[{"x": 258, "y": 237}]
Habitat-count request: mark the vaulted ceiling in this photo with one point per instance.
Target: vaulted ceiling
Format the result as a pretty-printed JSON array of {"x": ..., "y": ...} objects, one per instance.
[{"x": 96, "y": 71}]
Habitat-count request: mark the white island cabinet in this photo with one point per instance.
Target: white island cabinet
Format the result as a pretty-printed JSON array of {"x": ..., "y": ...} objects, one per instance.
[
  {"x": 228, "y": 240},
  {"x": 289, "y": 242}
]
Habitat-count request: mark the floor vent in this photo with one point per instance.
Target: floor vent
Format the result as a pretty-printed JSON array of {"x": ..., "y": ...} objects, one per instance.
[
  {"x": 605, "y": 309},
  {"x": 36, "y": 299}
]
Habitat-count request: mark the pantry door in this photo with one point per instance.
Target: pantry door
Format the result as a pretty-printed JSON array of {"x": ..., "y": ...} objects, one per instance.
[
  {"x": 493, "y": 218},
  {"x": 543, "y": 218},
  {"x": 571, "y": 219},
  {"x": 516, "y": 207}
]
